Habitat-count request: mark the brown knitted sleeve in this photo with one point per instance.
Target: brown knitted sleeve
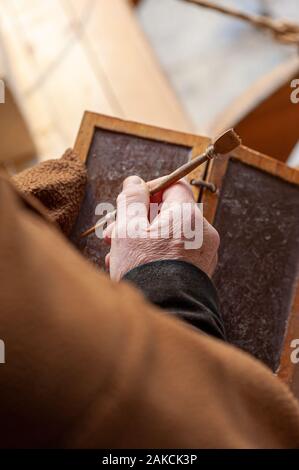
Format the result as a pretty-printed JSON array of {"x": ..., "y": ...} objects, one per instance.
[{"x": 59, "y": 185}]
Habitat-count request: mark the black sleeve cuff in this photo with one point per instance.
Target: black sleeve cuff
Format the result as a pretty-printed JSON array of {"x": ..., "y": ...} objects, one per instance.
[{"x": 183, "y": 290}]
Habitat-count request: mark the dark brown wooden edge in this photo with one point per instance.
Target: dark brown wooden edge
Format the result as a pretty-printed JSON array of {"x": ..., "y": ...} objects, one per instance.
[
  {"x": 91, "y": 121},
  {"x": 288, "y": 372}
]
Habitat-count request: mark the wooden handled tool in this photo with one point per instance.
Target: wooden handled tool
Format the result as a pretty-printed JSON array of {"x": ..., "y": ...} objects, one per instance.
[{"x": 223, "y": 145}]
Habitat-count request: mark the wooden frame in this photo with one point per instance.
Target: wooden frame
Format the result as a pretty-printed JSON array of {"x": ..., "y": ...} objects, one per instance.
[
  {"x": 287, "y": 371},
  {"x": 217, "y": 170},
  {"x": 91, "y": 121}
]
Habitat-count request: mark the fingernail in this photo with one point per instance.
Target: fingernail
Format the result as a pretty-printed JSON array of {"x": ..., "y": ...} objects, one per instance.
[{"x": 132, "y": 180}]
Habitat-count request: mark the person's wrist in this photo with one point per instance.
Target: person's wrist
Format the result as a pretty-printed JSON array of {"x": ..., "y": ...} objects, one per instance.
[{"x": 156, "y": 258}]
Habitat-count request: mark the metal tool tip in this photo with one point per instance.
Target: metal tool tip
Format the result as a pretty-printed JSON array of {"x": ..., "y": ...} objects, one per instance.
[{"x": 227, "y": 142}]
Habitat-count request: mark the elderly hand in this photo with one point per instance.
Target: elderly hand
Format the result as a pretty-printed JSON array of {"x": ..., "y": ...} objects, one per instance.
[{"x": 177, "y": 231}]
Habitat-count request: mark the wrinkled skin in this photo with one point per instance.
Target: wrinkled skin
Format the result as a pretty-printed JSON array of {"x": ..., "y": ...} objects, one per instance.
[{"x": 127, "y": 253}]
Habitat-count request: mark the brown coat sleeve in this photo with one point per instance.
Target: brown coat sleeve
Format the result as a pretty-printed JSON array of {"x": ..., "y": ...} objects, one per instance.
[{"x": 90, "y": 364}]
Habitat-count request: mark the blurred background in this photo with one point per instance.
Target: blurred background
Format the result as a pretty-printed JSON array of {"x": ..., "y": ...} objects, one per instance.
[{"x": 168, "y": 63}]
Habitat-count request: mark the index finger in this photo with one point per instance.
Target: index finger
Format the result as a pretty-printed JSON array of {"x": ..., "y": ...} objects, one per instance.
[{"x": 135, "y": 194}]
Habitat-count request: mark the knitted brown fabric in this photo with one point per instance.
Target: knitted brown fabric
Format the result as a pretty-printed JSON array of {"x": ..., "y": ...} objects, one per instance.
[{"x": 59, "y": 185}]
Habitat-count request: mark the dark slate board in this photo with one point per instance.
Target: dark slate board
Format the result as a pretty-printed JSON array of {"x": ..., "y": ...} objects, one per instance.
[
  {"x": 258, "y": 221},
  {"x": 111, "y": 158}
]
